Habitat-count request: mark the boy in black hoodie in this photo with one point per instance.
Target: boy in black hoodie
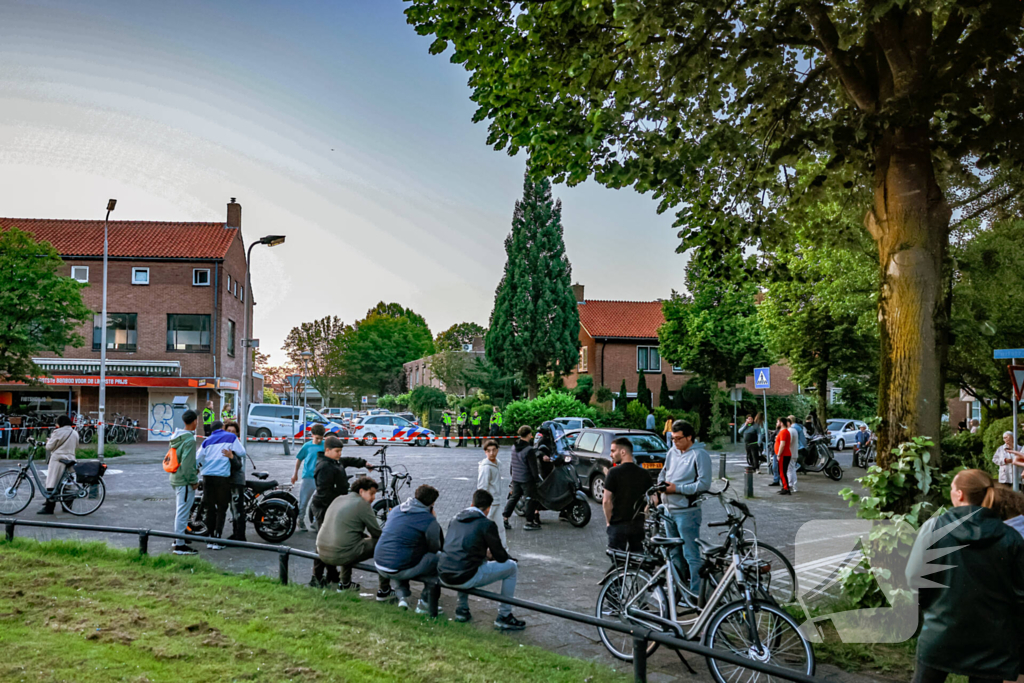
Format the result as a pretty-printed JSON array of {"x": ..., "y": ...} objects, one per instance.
[
  {"x": 525, "y": 477},
  {"x": 463, "y": 562}
]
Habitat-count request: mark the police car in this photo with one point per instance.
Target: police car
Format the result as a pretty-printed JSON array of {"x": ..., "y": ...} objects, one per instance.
[{"x": 390, "y": 429}]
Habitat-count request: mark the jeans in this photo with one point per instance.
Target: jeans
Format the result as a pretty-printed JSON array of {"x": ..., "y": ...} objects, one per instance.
[
  {"x": 237, "y": 513},
  {"x": 306, "y": 495},
  {"x": 447, "y": 433},
  {"x": 488, "y": 573},
  {"x": 184, "y": 496},
  {"x": 685, "y": 524},
  {"x": 753, "y": 456},
  {"x": 773, "y": 465},
  {"x": 216, "y": 496},
  {"x": 427, "y": 566},
  {"x": 519, "y": 489}
]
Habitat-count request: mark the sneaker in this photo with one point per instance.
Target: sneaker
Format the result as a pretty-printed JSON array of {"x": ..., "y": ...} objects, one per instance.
[
  {"x": 785, "y": 492},
  {"x": 507, "y": 525},
  {"x": 403, "y": 603},
  {"x": 214, "y": 546},
  {"x": 348, "y": 587},
  {"x": 775, "y": 483},
  {"x": 509, "y": 623},
  {"x": 386, "y": 595},
  {"x": 423, "y": 608},
  {"x": 184, "y": 550},
  {"x": 44, "y": 511},
  {"x": 462, "y": 615},
  {"x": 531, "y": 527},
  {"x": 317, "y": 583}
]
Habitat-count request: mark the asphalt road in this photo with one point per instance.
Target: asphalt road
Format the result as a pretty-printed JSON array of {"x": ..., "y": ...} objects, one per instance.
[{"x": 559, "y": 565}]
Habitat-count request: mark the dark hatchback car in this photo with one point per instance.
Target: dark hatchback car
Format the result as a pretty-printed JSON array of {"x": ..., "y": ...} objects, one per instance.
[{"x": 593, "y": 448}]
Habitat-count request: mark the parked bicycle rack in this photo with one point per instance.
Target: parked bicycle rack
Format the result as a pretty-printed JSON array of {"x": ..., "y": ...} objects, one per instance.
[{"x": 640, "y": 635}]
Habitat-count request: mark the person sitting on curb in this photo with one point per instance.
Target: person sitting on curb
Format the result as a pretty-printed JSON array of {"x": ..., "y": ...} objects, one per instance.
[
  {"x": 348, "y": 535},
  {"x": 408, "y": 547},
  {"x": 463, "y": 563}
]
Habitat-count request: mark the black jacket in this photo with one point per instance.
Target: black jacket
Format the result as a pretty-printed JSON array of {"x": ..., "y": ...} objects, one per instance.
[
  {"x": 969, "y": 607},
  {"x": 331, "y": 479},
  {"x": 524, "y": 463},
  {"x": 470, "y": 535}
]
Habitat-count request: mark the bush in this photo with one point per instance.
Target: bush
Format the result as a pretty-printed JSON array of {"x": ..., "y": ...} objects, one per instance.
[
  {"x": 547, "y": 407},
  {"x": 993, "y": 438},
  {"x": 584, "y": 389},
  {"x": 636, "y": 415},
  {"x": 965, "y": 450},
  {"x": 423, "y": 398},
  {"x": 604, "y": 395}
]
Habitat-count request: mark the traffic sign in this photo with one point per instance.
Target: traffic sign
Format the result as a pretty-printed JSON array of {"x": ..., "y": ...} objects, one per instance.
[
  {"x": 999, "y": 354},
  {"x": 366, "y": 399},
  {"x": 736, "y": 394},
  {"x": 293, "y": 380},
  {"x": 762, "y": 378},
  {"x": 1017, "y": 377}
]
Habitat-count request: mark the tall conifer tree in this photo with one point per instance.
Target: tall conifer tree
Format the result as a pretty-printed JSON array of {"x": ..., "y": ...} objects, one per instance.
[
  {"x": 664, "y": 398},
  {"x": 535, "y": 325}
]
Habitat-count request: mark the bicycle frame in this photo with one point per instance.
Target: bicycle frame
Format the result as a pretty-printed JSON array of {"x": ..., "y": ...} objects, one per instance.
[{"x": 29, "y": 468}]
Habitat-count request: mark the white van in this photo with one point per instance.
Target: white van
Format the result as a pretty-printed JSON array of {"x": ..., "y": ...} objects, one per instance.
[{"x": 270, "y": 420}]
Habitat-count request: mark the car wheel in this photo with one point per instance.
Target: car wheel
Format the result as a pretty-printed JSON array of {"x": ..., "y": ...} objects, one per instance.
[
  {"x": 422, "y": 442},
  {"x": 263, "y": 433},
  {"x": 597, "y": 488},
  {"x": 370, "y": 440},
  {"x": 840, "y": 445}
]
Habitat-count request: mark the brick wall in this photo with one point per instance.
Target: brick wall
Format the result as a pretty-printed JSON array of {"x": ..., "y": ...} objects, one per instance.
[
  {"x": 619, "y": 363},
  {"x": 782, "y": 384},
  {"x": 130, "y": 401}
]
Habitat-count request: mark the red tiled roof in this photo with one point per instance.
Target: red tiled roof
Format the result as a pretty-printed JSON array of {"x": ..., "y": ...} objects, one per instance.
[
  {"x": 624, "y": 319},
  {"x": 132, "y": 239}
]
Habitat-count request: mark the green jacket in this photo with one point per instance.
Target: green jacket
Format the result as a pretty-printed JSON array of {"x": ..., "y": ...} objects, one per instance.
[
  {"x": 347, "y": 521},
  {"x": 971, "y": 597},
  {"x": 185, "y": 443},
  {"x": 208, "y": 416}
]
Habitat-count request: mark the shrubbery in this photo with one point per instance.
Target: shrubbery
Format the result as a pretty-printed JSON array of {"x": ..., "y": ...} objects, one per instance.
[
  {"x": 994, "y": 434},
  {"x": 965, "y": 450},
  {"x": 547, "y": 407}
]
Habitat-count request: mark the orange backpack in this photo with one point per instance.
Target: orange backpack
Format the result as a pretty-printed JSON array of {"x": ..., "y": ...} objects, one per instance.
[{"x": 171, "y": 463}]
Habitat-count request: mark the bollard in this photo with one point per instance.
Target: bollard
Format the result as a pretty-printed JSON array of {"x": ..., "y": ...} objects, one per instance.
[
  {"x": 9, "y": 531},
  {"x": 282, "y": 566},
  {"x": 748, "y": 488},
  {"x": 433, "y": 597},
  {"x": 287, "y": 451},
  {"x": 144, "y": 542},
  {"x": 721, "y": 466},
  {"x": 639, "y": 659}
]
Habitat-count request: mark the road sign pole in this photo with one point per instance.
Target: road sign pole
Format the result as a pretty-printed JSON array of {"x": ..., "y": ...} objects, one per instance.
[
  {"x": 1013, "y": 397},
  {"x": 764, "y": 395}
]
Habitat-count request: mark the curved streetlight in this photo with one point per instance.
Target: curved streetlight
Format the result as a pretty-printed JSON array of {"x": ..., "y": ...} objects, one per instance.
[
  {"x": 102, "y": 426},
  {"x": 243, "y": 408}
]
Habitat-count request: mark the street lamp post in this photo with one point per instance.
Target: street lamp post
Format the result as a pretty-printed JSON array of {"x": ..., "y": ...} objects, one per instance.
[
  {"x": 243, "y": 407},
  {"x": 306, "y": 355},
  {"x": 101, "y": 427}
]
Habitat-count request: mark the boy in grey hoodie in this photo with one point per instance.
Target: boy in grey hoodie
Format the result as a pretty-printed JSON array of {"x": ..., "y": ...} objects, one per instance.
[{"x": 185, "y": 480}]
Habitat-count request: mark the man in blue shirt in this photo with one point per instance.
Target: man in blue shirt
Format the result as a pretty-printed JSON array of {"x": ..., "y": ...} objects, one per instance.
[
  {"x": 801, "y": 445},
  {"x": 306, "y": 460},
  {"x": 650, "y": 419}
]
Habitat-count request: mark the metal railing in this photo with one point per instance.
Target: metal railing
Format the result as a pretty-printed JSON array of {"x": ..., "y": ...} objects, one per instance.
[{"x": 640, "y": 634}]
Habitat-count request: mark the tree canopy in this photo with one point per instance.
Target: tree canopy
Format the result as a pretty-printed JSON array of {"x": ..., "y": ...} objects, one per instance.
[
  {"x": 734, "y": 113},
  {"x": 40, "y": 309},
  {"x": 319, "y": 338},
  {"x": 458, "y": 334},
  {"x": 373, "y": 351}
]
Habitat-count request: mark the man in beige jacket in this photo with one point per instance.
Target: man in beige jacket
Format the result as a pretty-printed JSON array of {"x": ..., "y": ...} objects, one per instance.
[{"x": 62, "y": 444}]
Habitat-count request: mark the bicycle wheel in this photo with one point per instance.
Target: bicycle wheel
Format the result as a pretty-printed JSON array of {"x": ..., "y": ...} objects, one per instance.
[
  {"x": 782, "y": 585},
  {"x": 86, "y": 435},
  {"x": 778, "y": 642},
  {"x": 616, "y": 591},
  {"x": 82, "y": 499},
  {"x": 16, "y": 492}
]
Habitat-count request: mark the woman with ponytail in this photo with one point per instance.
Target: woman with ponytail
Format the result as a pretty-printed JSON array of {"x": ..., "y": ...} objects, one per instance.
[{"x": 971, "y": 590}]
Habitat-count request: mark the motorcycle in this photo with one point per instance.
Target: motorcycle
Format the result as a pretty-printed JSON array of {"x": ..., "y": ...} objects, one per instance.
[
  {"x": 865, "y": 457},
  {"x": 273, "y": 511},
  {"x": 560, "y": 491}
]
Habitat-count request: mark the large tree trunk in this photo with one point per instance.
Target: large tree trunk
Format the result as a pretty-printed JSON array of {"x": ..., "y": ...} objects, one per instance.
[
  {"x": 909, "y": 221},
  {"x": 821, "y": 394},
  {"x": 531, "y": 384}
]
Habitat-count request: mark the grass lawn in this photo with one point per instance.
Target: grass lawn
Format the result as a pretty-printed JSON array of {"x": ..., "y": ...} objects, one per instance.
[
  {"x": 85, "y": 612},
  {"x": 82, "y": 453}
]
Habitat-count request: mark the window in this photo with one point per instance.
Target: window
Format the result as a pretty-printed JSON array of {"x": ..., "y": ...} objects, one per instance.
[
  {"x": 646, "y": 443},
  {"x": 286, "y": 413},
  {"x": 588, "y": 442},
  {"x": 678, "y": 369},
  {"x": 200, "y": 277},
  {"x": 401, "y": 422},
  {"x": 80, "y": 273},
  {"x": 647, "y": 359},
  {"x": 976, "y": 410},
  {"x": 583, "y": 358},
  {"x": 231, "y": 338},
  {"x": 236, "y": 289},
  {"x": 140, "y": 276},
  {"x": 188, "y": 333},
  {"x": 262, "y": 411},
  {"x": 122, "y": 332},
  {"x": 229, "y": 283}
]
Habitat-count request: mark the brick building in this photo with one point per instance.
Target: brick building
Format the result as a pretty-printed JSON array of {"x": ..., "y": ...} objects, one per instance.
[
  {"x": 175, "y": 301},
  {"x": 417, "y": 372}
]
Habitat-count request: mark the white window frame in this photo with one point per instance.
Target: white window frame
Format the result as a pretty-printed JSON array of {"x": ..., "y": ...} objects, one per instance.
[
  {"x": 678, "y": 370},
  {"x": 236, "y": 289},
  {"x": 583, "y": 362},
  {"x": 136, "y": 271},
  {"x": 78, "y": 279},
  {"x": 648, "y": 370},
  {"x": 195, "y": 271},
  {"x": 229, "y": 283}
]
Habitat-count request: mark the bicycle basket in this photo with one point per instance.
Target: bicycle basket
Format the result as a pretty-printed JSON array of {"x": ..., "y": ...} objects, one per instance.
[{"x": 89, "y": 472}]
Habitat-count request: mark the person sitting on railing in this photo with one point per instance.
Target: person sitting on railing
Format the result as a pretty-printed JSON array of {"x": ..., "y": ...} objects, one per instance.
[
  {"x": 464, "y": 562},
  {"x": 348, "y": 535},
  {"x": 61, "y": 445},
  {"x": 408, "y": 546}
]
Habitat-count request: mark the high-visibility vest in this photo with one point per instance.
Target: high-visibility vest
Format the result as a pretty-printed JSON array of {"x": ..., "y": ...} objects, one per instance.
[
  {"x": 476, "y": 421},
  {"x": 496, "y": 419},
  {"x": 208, "y": 416},
  {"x": 463, "y": 418},
  {"x": 446, "y": 418},
  {"x": 225, "y": 414}
]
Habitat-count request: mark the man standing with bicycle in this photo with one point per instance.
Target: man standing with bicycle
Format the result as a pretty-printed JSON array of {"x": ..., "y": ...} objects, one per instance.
[
  {"x": 687, "y": 474},
  {"x": 61, "y": 445}
]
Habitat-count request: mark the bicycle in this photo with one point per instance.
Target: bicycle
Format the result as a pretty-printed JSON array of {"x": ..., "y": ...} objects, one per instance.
[
  {"x": 390, "y": 497},
  {"x": 641, "y": 588},
  {"x": 78, "y": 494}
]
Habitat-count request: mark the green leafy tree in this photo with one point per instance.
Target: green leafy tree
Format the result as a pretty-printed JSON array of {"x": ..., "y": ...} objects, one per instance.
[
  {"x": 423, "y": 398},
  {"x": 664, "y": 397},
  {"x": 269, "y": 396},
  {"x": 584, "y": 389},
  {"x": 535, "y": 325},
  {"x": 451, "y": 367},
  {"x": 500, "y": 386},
  {"x": 547, "y": 407},
  {"x": 374, "y": 350},
  {"x": 643, "y": 394},
  {"x": 455, "y": 336},
  {"x": 319, "y": 338},
  {"x": 40, "y": 309},
  {"x": 740, "y": 111}
]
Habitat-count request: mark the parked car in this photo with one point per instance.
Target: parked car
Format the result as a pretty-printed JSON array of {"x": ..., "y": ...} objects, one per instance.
[
  {"x": 370, "y": 429},
  {"x": 574, "y": 424},
  {"x": 411, "y": 417},
  {"x": 592, "y": 446},
  {"x": 269, "y": 420},
  {"x": 339, "y": 415},
  {"x": 842, "y": 432}
]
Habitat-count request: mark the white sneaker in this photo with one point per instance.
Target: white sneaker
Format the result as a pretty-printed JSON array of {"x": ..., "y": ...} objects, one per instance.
[
  {"x": 214, "y": 546},
  {"x": 423, "y": 608},
  {"x": 403, "y": 603}
]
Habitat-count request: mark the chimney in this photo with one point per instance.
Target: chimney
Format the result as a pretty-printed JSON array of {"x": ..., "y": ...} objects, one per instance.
[
  {"x": 234, "y": 214},
  {"x": 577, "y": 289}
]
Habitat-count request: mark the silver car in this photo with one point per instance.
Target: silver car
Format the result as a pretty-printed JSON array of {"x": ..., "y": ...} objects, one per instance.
[{"x": 843, "y": 432}]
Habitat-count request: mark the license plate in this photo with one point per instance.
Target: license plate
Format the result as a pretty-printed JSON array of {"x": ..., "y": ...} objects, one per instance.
[{"x": 652, "y": 465}]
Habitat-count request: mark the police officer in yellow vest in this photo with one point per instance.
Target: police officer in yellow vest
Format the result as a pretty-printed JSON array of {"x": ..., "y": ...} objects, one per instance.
[
  {"x": 475, "y": 421},
  {"x": 446, "y": 420},
  {"x": 225, "y": 414},
  {"x": 495, "y": 423},
  {"x": 209, "y": 415},
  {"x": 463, "y": 428}
]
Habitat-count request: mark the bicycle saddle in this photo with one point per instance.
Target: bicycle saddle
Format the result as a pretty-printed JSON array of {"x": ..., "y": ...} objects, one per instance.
[
  {"x": 261, "y": 486},
  {"x": 67, "y": 461},
  {"x": 665, "y": 540},
  {"x": 261, "y": 475},
  {"x": 708, "y": 548}
]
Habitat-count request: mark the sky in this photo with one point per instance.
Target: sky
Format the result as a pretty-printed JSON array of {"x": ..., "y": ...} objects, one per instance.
[{"x": 328, "y": 121}]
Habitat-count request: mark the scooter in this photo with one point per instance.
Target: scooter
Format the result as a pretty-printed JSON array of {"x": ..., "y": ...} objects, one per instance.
[
  {"x": 820, "y": 458},
  {"x": 560, "y": 491},
  {"x": 575, "y": 509}
]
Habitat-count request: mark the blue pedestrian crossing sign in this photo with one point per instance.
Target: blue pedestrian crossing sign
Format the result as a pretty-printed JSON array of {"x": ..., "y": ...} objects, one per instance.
[{"x": 762, "y": 378}]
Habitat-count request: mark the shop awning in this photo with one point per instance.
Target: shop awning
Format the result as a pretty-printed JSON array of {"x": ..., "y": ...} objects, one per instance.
[{"x": 89, "y": 366}]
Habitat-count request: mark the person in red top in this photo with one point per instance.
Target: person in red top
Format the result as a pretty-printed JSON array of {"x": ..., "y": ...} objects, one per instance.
[{"x": 784, "y": 451}]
